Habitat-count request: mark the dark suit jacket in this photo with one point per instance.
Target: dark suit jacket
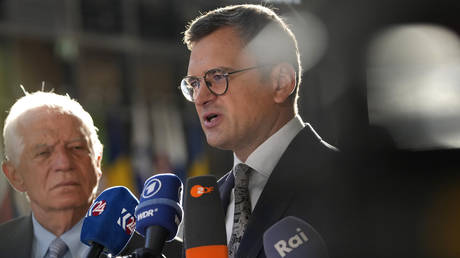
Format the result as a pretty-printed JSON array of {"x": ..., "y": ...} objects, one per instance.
[
  {"x": 16, "y": 238},
  {"x": 310, "y": 183}
]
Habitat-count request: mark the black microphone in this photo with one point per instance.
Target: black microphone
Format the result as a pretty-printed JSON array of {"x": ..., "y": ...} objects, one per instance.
[
  {"x": 204, "y": 219},
  {"x": 109, "y": 222},
  {"x": 159, "y": 213},
  {"x": 292, "y": 237}
]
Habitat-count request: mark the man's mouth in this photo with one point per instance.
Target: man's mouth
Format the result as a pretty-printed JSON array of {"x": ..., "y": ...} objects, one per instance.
[
  {"x": 210, "y": 117},
  {"x": 211, "y": 120},
  {"x": 66, "y": 184}
]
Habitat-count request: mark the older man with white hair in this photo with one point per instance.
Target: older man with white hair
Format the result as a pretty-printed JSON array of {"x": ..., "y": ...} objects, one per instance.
[{"x": 52, "y": 155}]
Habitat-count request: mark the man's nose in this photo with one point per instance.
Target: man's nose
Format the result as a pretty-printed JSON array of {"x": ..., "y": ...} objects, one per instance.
[
  {"x": 62, "y": 159},
  {"x": 203, "y": 94}
]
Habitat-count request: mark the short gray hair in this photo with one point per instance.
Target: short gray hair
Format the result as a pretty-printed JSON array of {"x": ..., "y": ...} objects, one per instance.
[{"x": 13, "y": 142}]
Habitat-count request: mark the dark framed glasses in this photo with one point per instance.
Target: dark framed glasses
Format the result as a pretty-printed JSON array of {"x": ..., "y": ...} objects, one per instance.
[{"x": 215, "y": 79}]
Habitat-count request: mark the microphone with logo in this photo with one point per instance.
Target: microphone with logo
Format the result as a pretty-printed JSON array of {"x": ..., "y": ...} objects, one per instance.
[
  {"x": 292, "y": 237},
  {"x": 109, "y": 222},
  {"x": 204, "y": 219},
  {"x": 159, "y": 213}
]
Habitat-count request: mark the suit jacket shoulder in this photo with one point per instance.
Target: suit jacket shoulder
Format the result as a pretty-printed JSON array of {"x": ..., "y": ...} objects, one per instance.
[
  {"x": 16, "y": 237},
  {"x": 306, "y": 183}
]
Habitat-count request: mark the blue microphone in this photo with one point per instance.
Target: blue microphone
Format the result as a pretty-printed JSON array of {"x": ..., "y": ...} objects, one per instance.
[
  {"x": 159, "y": 212},
  {"x": 292, "y": 237},
  {"x": 109, "y": 222}
]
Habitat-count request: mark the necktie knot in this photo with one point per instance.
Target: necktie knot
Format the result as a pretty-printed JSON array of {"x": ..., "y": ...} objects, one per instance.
[
  {"x": 57, "y": 248},
  {"x": 242, "y": 175}
]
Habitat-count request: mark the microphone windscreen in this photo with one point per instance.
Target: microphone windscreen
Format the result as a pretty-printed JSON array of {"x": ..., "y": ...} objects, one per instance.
[
  {"x": 110, "y": 220},
  {"x": 292, "y": 237},
  {"x": 160, "y": 204},
  {"x": 204, "y": 219}
]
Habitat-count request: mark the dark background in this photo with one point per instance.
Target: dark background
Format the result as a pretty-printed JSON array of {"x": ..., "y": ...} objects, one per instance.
[{"x": 123, "y": 60}]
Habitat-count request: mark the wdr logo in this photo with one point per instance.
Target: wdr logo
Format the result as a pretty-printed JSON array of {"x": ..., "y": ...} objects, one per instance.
[
  {"x": 127, "y": 222},
  {"x": 151, "y": 188}
]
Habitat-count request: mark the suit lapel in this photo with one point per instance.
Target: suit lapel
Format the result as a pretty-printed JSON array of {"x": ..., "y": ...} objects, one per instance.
[
  {"x": 273, "y": 202},
  {"x": 279, "y": 192},
  {"x": 29, "y": 229},
  {"x": 271, "y": 207},
  {"x": 225, "y": 185},
  {"x": 20, "y": 240}
]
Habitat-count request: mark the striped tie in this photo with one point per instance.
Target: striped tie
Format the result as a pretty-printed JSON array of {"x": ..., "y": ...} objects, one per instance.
[
  {"x": 242, "y": 207},
  {"x": 57, "y": 249}
]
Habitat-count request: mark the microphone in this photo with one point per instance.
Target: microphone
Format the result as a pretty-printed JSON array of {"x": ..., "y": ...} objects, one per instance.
[
  {"x": 109, "y": 222},
  {"x": 204, "y": 219},
  {"x": 292, "y": 237},
  {"x": 159, "y": 212}
]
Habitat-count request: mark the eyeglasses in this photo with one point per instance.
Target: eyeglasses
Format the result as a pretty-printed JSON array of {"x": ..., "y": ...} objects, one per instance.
[{"x": 215, "y": 79}]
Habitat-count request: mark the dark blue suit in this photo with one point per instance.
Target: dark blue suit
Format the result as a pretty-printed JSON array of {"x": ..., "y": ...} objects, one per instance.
[{"x": 308, "y": 182}]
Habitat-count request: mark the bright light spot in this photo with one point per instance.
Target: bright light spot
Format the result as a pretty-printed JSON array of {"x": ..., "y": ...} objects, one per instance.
[{"x": 414, "y": 85}]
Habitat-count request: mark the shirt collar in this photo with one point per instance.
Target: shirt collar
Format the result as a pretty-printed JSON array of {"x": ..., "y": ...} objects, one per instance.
[
  {"x": 265, "y": 157},
  {"x": 42, "y": 237},
  {"x": 71, "y": 237}
]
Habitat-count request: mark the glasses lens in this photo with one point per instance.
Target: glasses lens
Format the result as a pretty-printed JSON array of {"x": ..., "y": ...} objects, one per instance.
[
  {"x": 187, "y": 88},
  {"x": 216, "y": 81}
]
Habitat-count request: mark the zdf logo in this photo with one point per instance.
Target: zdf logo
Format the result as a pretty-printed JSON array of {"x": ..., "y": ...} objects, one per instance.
[
  {"x": 198, "y": 190},
  {"x": 127, "y": 222}
]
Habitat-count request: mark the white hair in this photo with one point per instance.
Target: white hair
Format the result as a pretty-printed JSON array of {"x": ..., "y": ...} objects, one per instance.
[{"x": 13, "y": 141}]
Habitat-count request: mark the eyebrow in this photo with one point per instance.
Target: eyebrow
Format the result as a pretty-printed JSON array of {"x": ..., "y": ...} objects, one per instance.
[
  {"x": 45, "y": 145},
  {"x": 77, "y": 139},
  {"x": 40, "y": 146},
  {"x": 81, "y": 139},
  {"x": 223, "y": 68}
]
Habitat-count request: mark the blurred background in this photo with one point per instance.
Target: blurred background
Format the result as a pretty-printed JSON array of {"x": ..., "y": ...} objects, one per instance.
[{"x": 381, "y": 82}]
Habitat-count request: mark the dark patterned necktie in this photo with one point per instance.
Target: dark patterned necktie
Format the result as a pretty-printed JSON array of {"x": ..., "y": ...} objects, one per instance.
[
  {"x": 57, "y": 249},
  {"x": 242, "y": 207}
]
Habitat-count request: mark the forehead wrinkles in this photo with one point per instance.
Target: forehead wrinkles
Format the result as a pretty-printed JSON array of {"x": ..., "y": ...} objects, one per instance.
[{"x": 52, "y": 124}]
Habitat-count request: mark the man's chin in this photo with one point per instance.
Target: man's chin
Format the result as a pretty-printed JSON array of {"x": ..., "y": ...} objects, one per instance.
[
  {"x": 69, "y": 203},
  {"x": 218, "y": 145}
]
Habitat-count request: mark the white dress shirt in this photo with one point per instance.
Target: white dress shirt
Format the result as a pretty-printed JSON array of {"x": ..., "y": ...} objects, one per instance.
[
  {"x": 43, "y": 238},
  {"x": 263, "y": 160}
]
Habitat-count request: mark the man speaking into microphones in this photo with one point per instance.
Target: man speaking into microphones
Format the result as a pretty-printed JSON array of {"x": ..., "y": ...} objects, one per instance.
[{"x": 243, "y": 76}]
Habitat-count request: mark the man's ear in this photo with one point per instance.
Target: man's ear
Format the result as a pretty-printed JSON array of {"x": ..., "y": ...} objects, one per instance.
[
  {"x": 99, "y": 165},
  {"x": 283, "y": 81},
  {"x": 14, "y": 176}
]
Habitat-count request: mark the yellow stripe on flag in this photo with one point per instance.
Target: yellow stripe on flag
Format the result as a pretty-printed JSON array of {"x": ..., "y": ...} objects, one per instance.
[
  {"x": 199, "y": 167},
  {"x": 120, "y": 173}
]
